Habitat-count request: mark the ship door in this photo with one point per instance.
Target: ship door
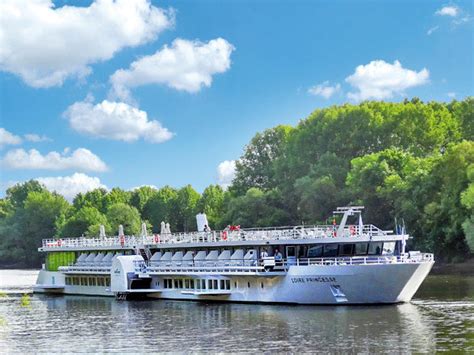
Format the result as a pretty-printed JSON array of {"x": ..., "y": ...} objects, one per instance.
[{"x": 291, "y": 255}]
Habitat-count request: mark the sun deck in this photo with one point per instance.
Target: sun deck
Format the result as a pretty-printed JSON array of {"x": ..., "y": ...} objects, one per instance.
[{"x": 242, "y": 236}]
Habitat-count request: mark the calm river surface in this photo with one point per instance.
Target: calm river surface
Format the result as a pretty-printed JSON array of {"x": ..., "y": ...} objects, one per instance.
[{"x": 440, "y": 318}]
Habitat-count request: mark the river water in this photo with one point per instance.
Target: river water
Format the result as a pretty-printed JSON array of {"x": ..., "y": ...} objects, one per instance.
[{"x": 440, "y": 318}]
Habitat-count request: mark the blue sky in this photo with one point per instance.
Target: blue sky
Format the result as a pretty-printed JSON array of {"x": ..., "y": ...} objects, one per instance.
[{"x": 236, "y": 67}]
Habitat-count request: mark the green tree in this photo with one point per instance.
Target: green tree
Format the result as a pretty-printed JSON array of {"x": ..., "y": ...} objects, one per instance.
[
  {"x": 185, "y": 209},
  {"x": 159, "y": 208},
  {"x": 116, "y": 195},
  {"x": 94, "y": 198},
  {"x": 83, "y": 221},
  {"x": 256, "y": 166},
  {"x": 140, "y": 197},
  {"x": 212, "y": 204},
  {"x": 128, "y": 216},
  {"x": 18, "y": 193},
  {"x": 23, "y": 232}
]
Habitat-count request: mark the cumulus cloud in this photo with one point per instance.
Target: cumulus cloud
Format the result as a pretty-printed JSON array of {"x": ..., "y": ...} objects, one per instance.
[
  {"x": 45, "y": 45},
  {"x": 36, "y": 138},
  {"x": 115, "y": 120},
  {"x": 451, "y": 11},
  {"x": 7, "y": 138},
  {"x": 70, "y": 186},
  {"x": 226, "y": 173},
  {"x": 186, "y": 65},
  {"x": 451, "y": 95},
  {"x": 324, "y": 90},
  {"x": 81, "y": 159},
  {"x": 381, "y": 80}
]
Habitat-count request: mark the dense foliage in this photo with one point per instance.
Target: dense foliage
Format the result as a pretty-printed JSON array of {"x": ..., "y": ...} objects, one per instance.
[{"x": 410, "y": 160}]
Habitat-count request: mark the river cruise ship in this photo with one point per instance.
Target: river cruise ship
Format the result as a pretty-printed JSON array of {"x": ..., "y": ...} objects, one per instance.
[{"x": 330, "y": 264}]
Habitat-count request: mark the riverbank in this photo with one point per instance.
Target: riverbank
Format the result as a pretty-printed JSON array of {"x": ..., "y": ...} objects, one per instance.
[{"x": 464, "y": 268}]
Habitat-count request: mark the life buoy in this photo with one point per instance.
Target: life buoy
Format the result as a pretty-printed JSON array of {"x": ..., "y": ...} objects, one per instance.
[
  {"x": 224, "y": 235},
  {"x": 157, "y": 238},
  {"x": 122, "y": 240},
  {"x": 59, "y": 242}
]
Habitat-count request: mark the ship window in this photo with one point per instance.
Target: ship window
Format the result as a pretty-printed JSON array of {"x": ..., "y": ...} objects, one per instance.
[
  {"x": 216, "y": 285},
  {"x": 361, "y": 248},
  {"x": 191, "y": 284},
  {"x": 248, "y": 284},
  {"x": 91, "y": 281},
  {"x": 346, "y": 249},
  {"x": 375, "y": 248},
  {"x": 315, "y": 252},
  {"x": 209, "y": 284},
  {"x": 198, "y": 284},
  {"x": 235, "y": 284},
  {"x": 84, "y": 281},
  {"x": 180, "y": 283},
  {"x": 261, "y": 284},
  {"x": 186, "y": 283},
  {"x": 176, "y": 284},
  {"x": 107, "y": 281},
  {"x": 203, "y": 284},
  {"x": 222, "y": 284},
  {"x": 227, "y": 284},
  {"x": 388, "y": 248},
  {"x": 68, "y": 281},
  {"x": 330, "y": 250},
  {"x": 290, "y": 251}
]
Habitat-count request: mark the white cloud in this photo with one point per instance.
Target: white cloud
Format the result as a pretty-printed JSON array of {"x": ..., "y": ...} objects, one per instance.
[
  {"x": 82, "y": 159},
  {"x": 186, "y": 65},
  {"x": 381, "y": 80},
  {"x": 70, "y": 186},
  {"x": 226, "y": 173},
  {"x": 431, "y": 30},
  {"x": 45, "y": 45},
  {"x": 451, "y": 11},
  {"x": 451, "y": 95},
  {"x": 36, "y": 138},
  {"x": 7, "y": 138},
  {"x": 324, "y": 90},
  {"x": 115, "y": 120}
]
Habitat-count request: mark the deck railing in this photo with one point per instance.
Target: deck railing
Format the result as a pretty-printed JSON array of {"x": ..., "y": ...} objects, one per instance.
[
  {"x": 269, "y": 264},
  {"x": 288, "y": 233}
]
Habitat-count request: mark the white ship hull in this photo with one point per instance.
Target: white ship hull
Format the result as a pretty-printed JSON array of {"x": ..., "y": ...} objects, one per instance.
[{"x": 338, "y": 284}]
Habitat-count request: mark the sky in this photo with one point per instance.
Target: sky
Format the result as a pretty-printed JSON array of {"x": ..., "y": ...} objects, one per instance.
[{"x": 131, "y": 93}]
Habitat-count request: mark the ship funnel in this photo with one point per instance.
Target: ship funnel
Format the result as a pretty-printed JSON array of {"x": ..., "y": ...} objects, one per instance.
[
  {"x": 120, "y": 231},
  {"x": 102, "y": 231}
]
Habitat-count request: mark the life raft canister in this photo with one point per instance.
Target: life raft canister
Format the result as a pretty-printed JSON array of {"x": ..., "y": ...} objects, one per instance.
[{"x": 157, "y": 238}]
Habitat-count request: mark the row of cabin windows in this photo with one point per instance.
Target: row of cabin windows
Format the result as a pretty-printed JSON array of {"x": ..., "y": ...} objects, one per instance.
[
  {"x": 352, "y": 249},
  {"x": 197, "y": 284},
  {"x": 88, "y": 280}
]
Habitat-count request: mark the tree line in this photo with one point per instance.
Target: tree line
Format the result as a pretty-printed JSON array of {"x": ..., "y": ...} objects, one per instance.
[{"x": 411, "y": 161}]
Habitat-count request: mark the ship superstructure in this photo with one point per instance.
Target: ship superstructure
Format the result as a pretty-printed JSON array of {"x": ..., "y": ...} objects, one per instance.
[{"x": 328, "y": 264}]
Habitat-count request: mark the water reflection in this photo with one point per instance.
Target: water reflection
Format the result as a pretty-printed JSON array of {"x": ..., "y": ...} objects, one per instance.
[{"x": 96, "y": 324}]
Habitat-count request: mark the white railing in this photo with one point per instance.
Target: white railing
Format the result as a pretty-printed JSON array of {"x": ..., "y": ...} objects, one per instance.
[
  {"x": 281, "y": 233},
  {"x": 84, "y": 268},
  {"x": 269, "y": 264}
]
